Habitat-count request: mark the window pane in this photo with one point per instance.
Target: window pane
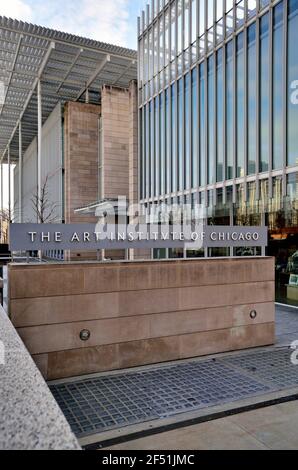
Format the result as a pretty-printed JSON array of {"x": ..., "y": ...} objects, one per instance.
[
  {"x": 152, "y": 148},
  {"x": 264, "y": 93},
  {"x": 186, "y": 24},
  {"x": 211, "y": 121},
  {"x": 210, "y": 14},
  {"x": 150, "y": 72},
  {"x": 156, "y": 59},
  {"x": 277, "y": 85},
  {"x": 220, "y": 116},
  {"x": 251, "y": 99},
  {"x": 264, "y": 3},
  {"x": 202, "y": 127},
  {"x": 161, "y": 44},
  {"x": 167, "y": 39},
  {"x": 229, "y": 110},
  {"x": 194, "y": 112},
  {"x": 293, "y": 83},
  {"x": 162, "y": 144},
  {"x": 149, "y": 149},
  {"x": 179, "y": 19},
  {"x": 193, "y": 21},
  {"x": 180, "y": 135},
  {"x": 142, "y": 141},
  {"x": 168, "y": 151},
  {"x": 174, "y": 138},
  {"x": 173, "y": 31},
  {"x": 219, "y": 9},
  {"x": 251, "y": 8},
  {"x": 156, "y": 149},
  {"x": 187, "y": 130},
  {"x": 240, "y": 106},
  {"x": 229, "y": 5},
  {"x": 201, "y": 17},
  {"x": 240, "y": 14}
]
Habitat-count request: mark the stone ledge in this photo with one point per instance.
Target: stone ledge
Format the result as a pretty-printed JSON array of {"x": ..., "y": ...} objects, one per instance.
[{"x": 30, "y": 417}]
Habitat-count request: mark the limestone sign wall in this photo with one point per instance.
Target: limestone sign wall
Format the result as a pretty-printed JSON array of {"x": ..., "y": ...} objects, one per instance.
[{"x": 89, "y": 317}]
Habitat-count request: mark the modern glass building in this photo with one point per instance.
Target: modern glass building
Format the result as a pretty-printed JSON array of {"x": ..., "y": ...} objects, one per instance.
[{"x": 218, "y": 114}]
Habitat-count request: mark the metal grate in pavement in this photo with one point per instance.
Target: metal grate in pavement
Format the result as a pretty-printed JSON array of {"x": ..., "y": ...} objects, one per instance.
[
  {"x": 274, "y": 367},
  {"x": 114, "y": 401},
  {"x": 107, "y": 402}
]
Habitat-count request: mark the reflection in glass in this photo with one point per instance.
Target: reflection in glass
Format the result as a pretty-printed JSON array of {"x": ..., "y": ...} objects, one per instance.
[
  {"x": 174, "y": 139},
  {"x": 168, "y": 142},
  {"x": 156, "y": 149},
  {"x": 252, "y": 98},
  {"x": 211, "y": 121},
  {"x": 186, "y": 25},
  {"x": 202, "y": 126},
  {"x": 277, "y": 86},
  {"x": 180, "y": 134},
  {"x": 195, "y": 130},
  {"x": 292, "y": 127},
  {"x": 179, "y": 30},
  {"x": 264, "y": 93},
  {"x": 201, "y": 17},
  {"x": 194, "y": 21},
  {"x": 240, "y": 105},
  {"x": 151, "y": 148},
  {"x": 229, "y": 109},
  {"x": 220, "y": 116},
  {"x": 187, "y": 97},
  {"x": 162, "y": 165},
  {"x": 251, "y": 8},
  {"x": 167, "y": 36}
]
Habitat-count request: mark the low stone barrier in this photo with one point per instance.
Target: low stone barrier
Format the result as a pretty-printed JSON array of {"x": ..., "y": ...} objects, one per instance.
[
  {"x": 30, "y": 418},
  {"x": 80, "y": 318}
]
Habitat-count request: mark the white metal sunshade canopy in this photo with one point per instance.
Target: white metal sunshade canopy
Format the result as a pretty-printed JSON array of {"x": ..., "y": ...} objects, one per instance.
[{"x": 61, "y": 66}]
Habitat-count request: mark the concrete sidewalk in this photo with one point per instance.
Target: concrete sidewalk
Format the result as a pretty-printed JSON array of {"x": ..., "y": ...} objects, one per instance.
[{"x": 274, "y": 427}]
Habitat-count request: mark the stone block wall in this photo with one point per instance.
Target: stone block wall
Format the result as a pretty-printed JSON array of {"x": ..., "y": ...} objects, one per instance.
[
  {"x": 140, "y": 312},
  {"x": 80, "y": 165}
]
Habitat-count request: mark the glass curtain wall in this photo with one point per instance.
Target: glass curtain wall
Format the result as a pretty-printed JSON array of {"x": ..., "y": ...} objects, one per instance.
[
  {"x": 292, "y": 84},
  {"x": 264, "y": 93},
  {"x": 251, "y": 99},
  {"x": 216, "y": 116}
]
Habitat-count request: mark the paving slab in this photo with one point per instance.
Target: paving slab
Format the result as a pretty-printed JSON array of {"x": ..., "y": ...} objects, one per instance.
[{"x": 271, "y": 428}]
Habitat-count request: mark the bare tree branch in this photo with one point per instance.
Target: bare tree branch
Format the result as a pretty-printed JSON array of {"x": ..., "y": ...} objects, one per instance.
[{"x": 44, "y": 208}]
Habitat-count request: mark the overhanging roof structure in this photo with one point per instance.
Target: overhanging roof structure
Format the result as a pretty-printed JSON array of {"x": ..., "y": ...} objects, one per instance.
[
  {"x": 69, "y": 68},
  {"x": 108, "y": 206}
]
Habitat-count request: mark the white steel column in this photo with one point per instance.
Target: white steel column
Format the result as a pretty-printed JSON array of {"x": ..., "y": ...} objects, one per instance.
[
  {"x": 39, "y": 143},
  {"x": 1, "y": 193},
  {"x": 9, "y": 183},
  {"x": 20, "y": 174}
]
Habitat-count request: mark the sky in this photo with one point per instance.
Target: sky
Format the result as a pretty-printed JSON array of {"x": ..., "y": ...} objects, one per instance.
[{"x": 111, "y": 21}]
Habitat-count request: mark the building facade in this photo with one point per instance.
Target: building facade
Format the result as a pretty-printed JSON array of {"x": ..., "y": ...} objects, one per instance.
[
  {"x": 68, "y": 126},
  {"x": 218, "y": 114}
]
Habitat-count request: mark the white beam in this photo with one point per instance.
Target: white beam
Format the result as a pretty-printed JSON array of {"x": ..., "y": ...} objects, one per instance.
[
  {"x": 94, "y": 75},
  {"x": 124, "y": 72},
  {"x": 80, "y": 51}
]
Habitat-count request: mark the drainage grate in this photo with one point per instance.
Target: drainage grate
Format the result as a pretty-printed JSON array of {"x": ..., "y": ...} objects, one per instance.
[
  {"x": 107, "y": 402},
  {"x": 274, "y": 367}
]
